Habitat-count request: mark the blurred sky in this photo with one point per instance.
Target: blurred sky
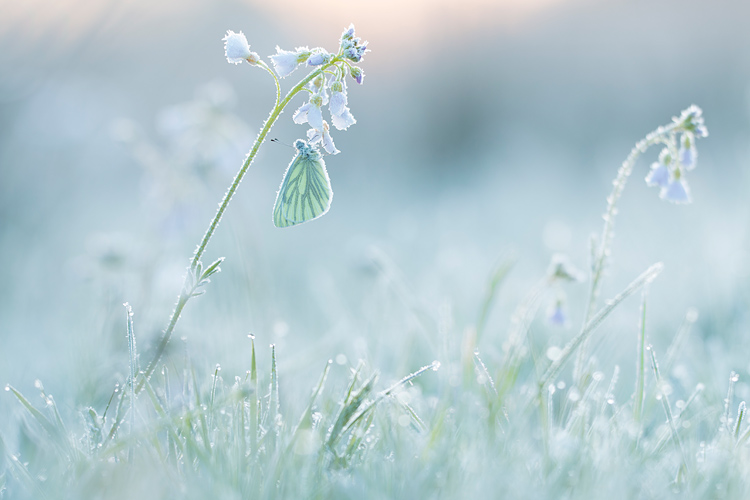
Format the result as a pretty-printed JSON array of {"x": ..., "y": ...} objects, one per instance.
[{"x": 483, "y": 126}]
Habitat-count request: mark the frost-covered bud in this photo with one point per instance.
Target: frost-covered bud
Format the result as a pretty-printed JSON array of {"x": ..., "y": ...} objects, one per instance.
[
  {"x": 691, "y": 120},
  {"x": 688, "y": 154},
  {"x": 323, "y": 136},
  {"x": 658, "y": 176},
  {"x": 237, "y": 49},
  {"x": 355, "y": 53},
  {"x": 676, "y": 191},
  {"x": 319, "y": 58},
  {"x": 285, "y": 61},
  {"x": 357, "y": 74},
  {"x": 348, "y": 34}
]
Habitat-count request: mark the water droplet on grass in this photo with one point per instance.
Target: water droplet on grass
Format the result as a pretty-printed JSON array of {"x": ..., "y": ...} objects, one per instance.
[{"x": 554, "y": 353}]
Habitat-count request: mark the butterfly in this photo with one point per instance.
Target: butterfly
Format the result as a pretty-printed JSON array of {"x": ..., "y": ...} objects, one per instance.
[{"x": 305, "y": 192}]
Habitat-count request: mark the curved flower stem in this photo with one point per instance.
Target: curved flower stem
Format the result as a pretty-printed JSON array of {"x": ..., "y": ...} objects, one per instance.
[
  {"x": 658, "y": 136},
  {"x": 187, "y": 291},
  {"x": 275, "y": 80}
]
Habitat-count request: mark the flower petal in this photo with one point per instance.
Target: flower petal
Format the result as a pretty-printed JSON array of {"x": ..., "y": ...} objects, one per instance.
[
  {"x": 337, "y": 103},
  {"x": 677, "y": 191},
  {"x": 689, "y": 157},
  {"x": 236, "y": 47},
  {"x": 284, "y": 62},
  {"x": 344, "y": 120},
  {"x": 328, "y": 144},
  {"x": 300, "y": 115},
  {"x": 658, "y": 176},
  {"x": 314, "y": 117},
  {"x": 314, "y": 136}
]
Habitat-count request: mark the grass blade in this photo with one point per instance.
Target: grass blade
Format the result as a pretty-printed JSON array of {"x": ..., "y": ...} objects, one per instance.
[
  {"x": 554, "y": 368},
  {"x": 640, "y": 364}
]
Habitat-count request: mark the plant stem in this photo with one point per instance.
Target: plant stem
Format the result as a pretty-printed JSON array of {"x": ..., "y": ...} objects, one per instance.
[
  {"x": 605, "y": 241},
  {"x": 186, "y": 292}
]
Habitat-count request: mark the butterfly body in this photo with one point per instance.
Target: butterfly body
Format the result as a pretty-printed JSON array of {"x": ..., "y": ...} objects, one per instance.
[{"x": 305, "y": 192}]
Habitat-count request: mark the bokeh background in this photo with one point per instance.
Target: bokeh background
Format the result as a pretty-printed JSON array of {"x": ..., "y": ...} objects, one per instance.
[{"x": 485, "y": 129}]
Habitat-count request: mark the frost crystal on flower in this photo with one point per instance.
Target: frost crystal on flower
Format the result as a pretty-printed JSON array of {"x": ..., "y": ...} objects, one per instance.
[
  {"x": 357, "y": 74},
  {"x": 344, "y": 120},
  {"x": 319, "y": 58},
  {"x": 348, "y": 34},
  {"x": 311, "y": 113},
  {"x": 338, "y": 98},
  {"x": 324, "y": 136},
  {"x": 676, "y": 191},
  {"x": 237, "y": 49},
  {"x": 327, "y": 85},
  {"x": 285, "y": 61}
]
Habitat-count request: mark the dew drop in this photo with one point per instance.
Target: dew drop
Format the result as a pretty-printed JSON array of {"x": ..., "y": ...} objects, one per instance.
[
  {"x": 554, "y": 353},
  {"x": 574, "y": 395},
  {"x": 7, "y": 388},
  {"x": 435, "y": 366},
  {"x": 692, "y": 315},
  {"x": 251, "y": 336}
]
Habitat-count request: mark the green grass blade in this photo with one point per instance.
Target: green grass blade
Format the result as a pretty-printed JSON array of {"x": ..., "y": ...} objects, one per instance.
[
  {"x": 54, "y": 431},
  {"x": 667, "y": 407},
  {"x": 555, "y": 367},
  {"x": 498, "y": 276},
  {"x": 201, "y": 413},
  {"x": 254, "y": 402},
  {"x": 640, "y": 364}
]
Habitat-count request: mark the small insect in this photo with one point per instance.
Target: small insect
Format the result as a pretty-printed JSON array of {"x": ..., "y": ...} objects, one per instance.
[{"x": 305, "y": 192}]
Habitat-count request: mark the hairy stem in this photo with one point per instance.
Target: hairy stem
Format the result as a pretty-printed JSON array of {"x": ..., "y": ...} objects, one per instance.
[
  {"x": 605, "y": 240},
  {"x": 188, "y": 289}
]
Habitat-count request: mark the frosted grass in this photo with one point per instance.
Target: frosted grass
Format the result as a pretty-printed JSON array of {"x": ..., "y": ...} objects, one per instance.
[{"x": 507, "y": 424}]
